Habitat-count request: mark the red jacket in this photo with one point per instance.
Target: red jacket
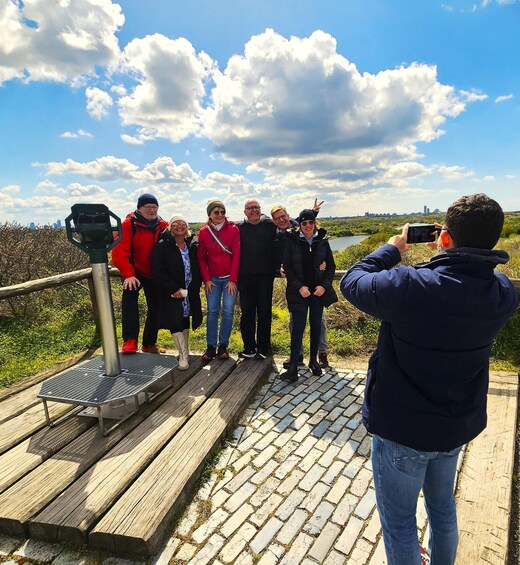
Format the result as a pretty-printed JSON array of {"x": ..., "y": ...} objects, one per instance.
[
  {"x": 213, "y": 260},
  {"x": 132, "y": 254}
]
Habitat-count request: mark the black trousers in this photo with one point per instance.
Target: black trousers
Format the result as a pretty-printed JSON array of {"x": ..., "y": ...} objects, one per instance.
[
  {"x": 130, "y": 312},
  {"x": 314, "y": 307},
  {"x": 256, "y": 303}
]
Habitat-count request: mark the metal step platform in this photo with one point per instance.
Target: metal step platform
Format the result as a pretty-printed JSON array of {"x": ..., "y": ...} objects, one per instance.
[{"x": 89, "y": 386}]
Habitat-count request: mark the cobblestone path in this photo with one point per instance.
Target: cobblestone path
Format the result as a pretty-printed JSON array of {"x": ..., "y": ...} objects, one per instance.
[{"x": 294, "y": 485}]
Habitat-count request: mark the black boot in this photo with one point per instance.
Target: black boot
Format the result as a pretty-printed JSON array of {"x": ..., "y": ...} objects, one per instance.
[
  {"x": 315, "y": 368},
  {"x": 291, "y": 375}
]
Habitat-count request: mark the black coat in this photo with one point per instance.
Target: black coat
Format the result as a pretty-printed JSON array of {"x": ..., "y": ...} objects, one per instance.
[
  {"x": 168, "y": 273},
  {"x": 293, "y": 264}
]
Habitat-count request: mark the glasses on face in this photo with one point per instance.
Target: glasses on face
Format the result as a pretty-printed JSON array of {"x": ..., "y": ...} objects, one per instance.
[
  {"x": 252, "y": 207},
  {"x": 150, "y": 207},
  {"x": 281, "y": 217},
  {"x": 179, "y": 225},
  {"x": 218, "y": 212},
  {"x": 307, "y": 223}
]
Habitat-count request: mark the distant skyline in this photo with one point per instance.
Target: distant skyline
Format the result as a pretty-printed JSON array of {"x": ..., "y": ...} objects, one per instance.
[{"x": 370, "y": 106}]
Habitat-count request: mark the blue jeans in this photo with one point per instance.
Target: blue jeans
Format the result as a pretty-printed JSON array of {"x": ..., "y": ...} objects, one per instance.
[
  {"x": 399, "y": 475},
  {"x": 219, "y": 299}
]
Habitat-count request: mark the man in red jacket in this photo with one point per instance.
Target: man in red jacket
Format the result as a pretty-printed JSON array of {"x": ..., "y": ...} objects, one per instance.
[{"x": 131, "y": 256}]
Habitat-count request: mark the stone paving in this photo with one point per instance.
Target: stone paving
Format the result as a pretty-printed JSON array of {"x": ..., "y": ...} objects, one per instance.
[{"x": 294, "y": 485}]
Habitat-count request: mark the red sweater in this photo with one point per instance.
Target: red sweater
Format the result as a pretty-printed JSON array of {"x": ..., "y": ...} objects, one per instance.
[
  {"x": 138, "y": 246},
  {"x": 213, "y": 260}
]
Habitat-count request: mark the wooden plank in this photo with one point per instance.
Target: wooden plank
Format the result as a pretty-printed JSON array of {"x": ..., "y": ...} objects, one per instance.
[
  {"x": 485, "y": 481},
  {"x": 28, "y": 423},
  {"x": 139, "y": 520},
  {"x": 69, "y": 517},
  {"x": 38, "y": 488},
  {"x": 27, "y": 455}
]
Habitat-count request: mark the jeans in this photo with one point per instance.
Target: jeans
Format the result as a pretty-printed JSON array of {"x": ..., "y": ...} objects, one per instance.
[
  {"x": 324, "y": 340},
  {"x": 399, "y": 475},
  {"x": 256, "y": 303},
  {"x": 314, "y": 306},
  {"x": 219, "y": 299},
  {"x": 130, "y": 312}
]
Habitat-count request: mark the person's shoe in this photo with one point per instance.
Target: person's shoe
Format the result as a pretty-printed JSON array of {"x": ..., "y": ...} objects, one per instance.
[
  {"x": 291, "y": 375},
  {"x": 209, "y": 354},
  {"x": 323, "y": 360},
  {"x": 315, "y": 368},
  {"x": 222, "y": 352},
  {"x": 152, "y": 349},
  {"x": 425, "y": 557},
  {"x": 287, "y": 362},
  {"x": 261, "y": 355},
  {"x": 130, "y": 346},
  {"x": 247, "y": 354}
]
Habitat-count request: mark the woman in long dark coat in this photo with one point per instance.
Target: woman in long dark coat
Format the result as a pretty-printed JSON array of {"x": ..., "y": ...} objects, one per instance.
[
  {"x": 309, "y": 287},
  {"x": 175, "y": 269}
]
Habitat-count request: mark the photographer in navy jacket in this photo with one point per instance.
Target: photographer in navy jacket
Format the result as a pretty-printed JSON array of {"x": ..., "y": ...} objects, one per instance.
[{"x": 427, "y": 381}]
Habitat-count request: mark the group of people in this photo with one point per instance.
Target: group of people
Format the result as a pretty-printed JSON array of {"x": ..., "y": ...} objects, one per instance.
[
  {"x": 232, "y": 261},
  {"x": 427, "y": 381}
]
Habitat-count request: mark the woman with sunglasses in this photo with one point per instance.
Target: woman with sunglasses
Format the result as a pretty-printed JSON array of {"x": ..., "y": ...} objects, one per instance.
[
  {"x": 219, "y": 261},
  {"x": 175, "y": 269},
  {"x": 309, "y": 288}
]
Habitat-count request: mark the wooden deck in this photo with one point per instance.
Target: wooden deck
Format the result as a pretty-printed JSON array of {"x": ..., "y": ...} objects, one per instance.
[{"x": 121, "y": 492}]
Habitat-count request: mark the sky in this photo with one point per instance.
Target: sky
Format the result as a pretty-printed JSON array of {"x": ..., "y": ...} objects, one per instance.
[{"x": 370, "y": 105}]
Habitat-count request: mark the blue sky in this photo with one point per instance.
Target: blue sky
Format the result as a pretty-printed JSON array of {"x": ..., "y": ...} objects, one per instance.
[{"x": 369, "y": 105}]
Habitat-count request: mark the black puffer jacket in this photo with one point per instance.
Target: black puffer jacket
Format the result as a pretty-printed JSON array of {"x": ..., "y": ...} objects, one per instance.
[
  {"x": 168, "y": 273},
  {"x": 294, "y": 266}
]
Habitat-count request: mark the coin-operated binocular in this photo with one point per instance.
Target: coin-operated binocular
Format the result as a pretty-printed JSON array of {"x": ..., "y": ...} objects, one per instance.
[
  {"x": 94, "y": 233},
  {"x": 93, "y": 230}
]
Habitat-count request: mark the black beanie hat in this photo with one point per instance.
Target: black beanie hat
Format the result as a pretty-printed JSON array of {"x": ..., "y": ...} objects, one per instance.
[
  {"x": 306, "y": 215},
  {"x": 146, "y": 198}
]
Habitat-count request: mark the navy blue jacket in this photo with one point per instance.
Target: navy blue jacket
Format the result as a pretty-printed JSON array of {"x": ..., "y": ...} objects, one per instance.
[{"x": 427, "y": 380}]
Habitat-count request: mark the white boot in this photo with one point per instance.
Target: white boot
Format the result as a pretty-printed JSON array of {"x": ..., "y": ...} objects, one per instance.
[
  {"x": 186, "y": 334},
  {"x": 182, "y": 346}
]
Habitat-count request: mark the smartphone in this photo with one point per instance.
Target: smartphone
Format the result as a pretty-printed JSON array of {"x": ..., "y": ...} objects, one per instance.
[{"x": 421, "y": 233}]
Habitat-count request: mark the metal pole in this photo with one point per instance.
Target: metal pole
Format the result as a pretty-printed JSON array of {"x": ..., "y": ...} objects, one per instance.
[{"x": 101, "y": 279}]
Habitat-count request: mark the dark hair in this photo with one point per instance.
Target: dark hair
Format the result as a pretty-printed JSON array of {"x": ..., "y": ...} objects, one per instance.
[{"x": 475, "y": 221}]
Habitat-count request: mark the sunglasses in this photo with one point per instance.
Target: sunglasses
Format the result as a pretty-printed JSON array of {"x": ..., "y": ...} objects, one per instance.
[
  {"x": 252, "y": 207},
  {"x": 219, "y": 212},
  {"x": 307, "y": 223}
]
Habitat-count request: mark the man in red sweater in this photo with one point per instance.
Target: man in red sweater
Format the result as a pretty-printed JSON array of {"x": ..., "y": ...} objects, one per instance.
[{"x": 131, "y": 256}]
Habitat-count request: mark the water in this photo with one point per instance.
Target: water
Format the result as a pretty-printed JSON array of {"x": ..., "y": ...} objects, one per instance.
[{"x": 339, "y": 243}]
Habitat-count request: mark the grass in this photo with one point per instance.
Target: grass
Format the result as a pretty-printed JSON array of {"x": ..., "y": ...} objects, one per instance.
[{"x": 59, "y": 324}]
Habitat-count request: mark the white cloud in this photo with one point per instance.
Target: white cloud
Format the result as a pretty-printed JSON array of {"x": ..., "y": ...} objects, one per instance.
[
  {"x": 170, "y": 77},
  {"x": 10, "y": 189},
  {"x": 57, "y": 41},
  {"x": 296, "y": 108},
  {"x": 499, "y": 99},
  {"x": 472, "y": 96},
  {"x": 111, "y": 169},
  {"x": 454, "y": 172},
  {"x": 98, "y": 102},
  {"x": 76, "y": 134}
]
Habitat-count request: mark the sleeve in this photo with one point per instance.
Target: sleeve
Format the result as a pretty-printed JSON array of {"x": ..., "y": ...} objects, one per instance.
[
  {"x": 235, "y": 260},
  {"x": 122, "y": 252},
  {"x": 160, "y": 272},
  {"x": 290, "y": 273},
  {"x": 201, "y": 256},
  {"x": 330, "y": 268},
  {"x": 373, "y": 287}
]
